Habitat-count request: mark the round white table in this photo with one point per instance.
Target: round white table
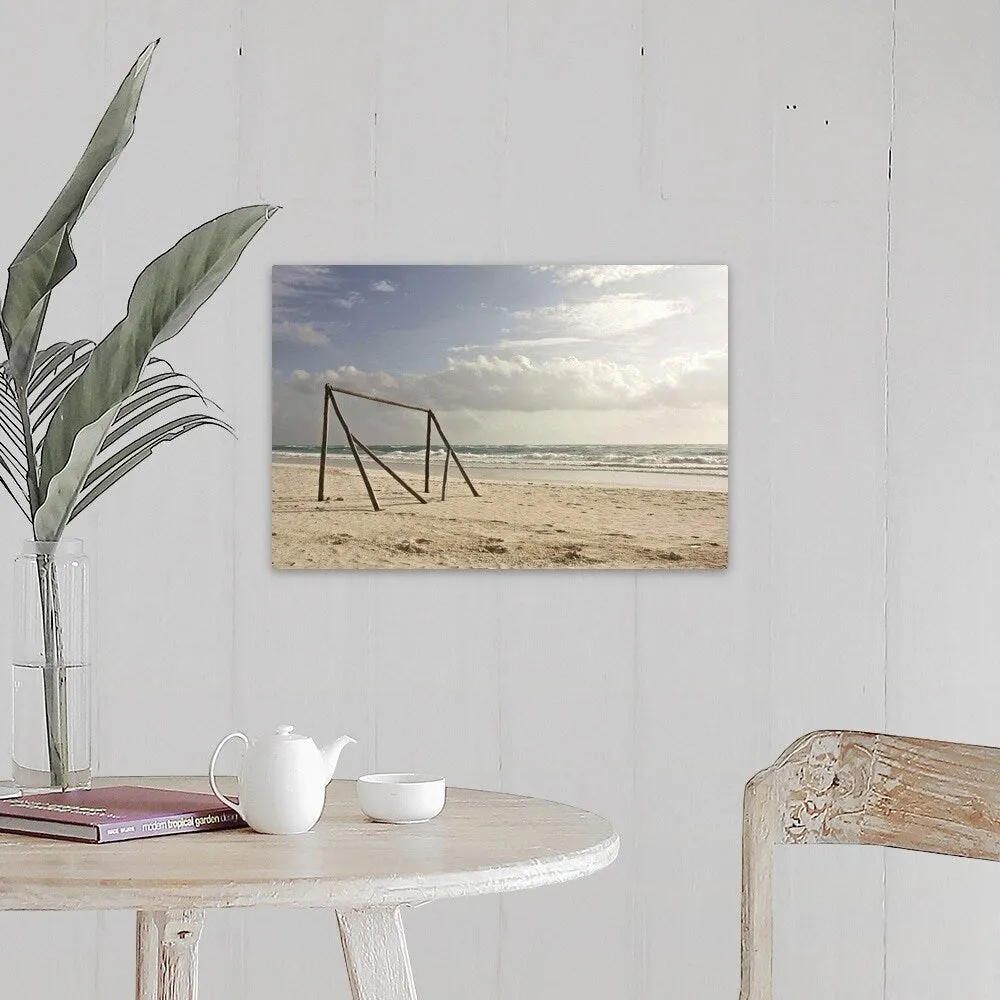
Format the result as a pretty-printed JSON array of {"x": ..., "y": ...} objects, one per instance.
[{"x": 483, "y": 842}]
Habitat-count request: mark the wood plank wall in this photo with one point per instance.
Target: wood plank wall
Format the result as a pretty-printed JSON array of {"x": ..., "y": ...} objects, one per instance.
[{"x": 863, "y": 433}]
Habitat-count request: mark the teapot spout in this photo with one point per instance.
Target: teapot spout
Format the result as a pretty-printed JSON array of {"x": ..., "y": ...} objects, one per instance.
[{"x": 331, "y": 754}]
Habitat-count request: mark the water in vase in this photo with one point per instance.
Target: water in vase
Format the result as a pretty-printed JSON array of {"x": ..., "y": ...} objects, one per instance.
[{"x": 30, "y": 750}]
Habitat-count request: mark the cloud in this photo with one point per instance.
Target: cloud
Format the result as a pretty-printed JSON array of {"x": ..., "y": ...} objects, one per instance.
[
  {"x": 287, "y": 279},
  {"x": 598, "y": 275},
  {"x": 618, "y": 315},
  {"x": 300, "y": 292},
  {"x": 489, "y": 383},
  {"x": 526, "y": 344},
  {"x": 571, "y": 353},
  {"x": 285, "y": 331},
  {"x": 611, "y": 315}
]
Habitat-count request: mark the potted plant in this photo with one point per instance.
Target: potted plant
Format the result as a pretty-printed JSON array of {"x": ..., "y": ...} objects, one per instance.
[{"x": 75, "y": 417}]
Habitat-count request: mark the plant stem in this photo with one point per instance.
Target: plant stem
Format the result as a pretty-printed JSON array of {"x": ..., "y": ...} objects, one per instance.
[
  {"x": 54, "y": 670},
  {"x": 53, "y": 673}
]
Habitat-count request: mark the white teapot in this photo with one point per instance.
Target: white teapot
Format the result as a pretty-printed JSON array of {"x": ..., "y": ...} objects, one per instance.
[{"x": 282, "y": 783}]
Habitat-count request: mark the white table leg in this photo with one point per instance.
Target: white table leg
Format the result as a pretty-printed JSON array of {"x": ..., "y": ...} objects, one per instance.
[
  {"x": 147, "y": 955},
  {"x": 378, "y": 965},
  {"x": 167, "y": 954}
]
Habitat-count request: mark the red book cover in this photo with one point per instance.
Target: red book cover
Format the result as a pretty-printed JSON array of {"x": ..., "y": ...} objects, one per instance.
[{"x": 120, "y": 812}]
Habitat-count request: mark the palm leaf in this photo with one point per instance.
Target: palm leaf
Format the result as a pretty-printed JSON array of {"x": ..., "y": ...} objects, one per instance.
[
  {"x": 123, "y": 461},
  {"x": 165, "y": 296},
  {"x": 13, "y": 464},
  {"x": 121, "y": 427},
  {"x": 153, "y": 394},
  {"x": 16, "y": 471},
  {"x": 170, "y": 373},
  {"x": 10, "y": 418},
  {"x": 52, "y": 393},
  {"x": 13, "y": 452},
  {"x": 47, "y": 361},
  {"x": 43, "y": 356},
  {"x": 11, "y": 482},
  {"x": 170, "y": 383},
  {"x": 48, "y": 255}
]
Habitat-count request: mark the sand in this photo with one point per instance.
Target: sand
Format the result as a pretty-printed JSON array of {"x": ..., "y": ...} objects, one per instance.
[{"x": 512, "y": 525}]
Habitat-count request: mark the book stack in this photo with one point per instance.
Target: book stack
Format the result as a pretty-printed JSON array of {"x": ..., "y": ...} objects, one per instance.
[{"x": 119, "y": 812}]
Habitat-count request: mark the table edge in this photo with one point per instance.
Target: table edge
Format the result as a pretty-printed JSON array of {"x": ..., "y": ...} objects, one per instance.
[{"x": 344, "y": 894}]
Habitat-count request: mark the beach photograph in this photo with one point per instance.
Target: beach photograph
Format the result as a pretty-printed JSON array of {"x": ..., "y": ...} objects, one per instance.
[{"x": 500, "y": 417}]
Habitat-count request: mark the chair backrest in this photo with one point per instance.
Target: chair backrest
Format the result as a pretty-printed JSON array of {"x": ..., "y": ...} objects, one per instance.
[{"x": 834, "y": 787}]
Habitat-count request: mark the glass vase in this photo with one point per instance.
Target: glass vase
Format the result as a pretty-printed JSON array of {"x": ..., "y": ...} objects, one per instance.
[{"x": 51, "y": 667}]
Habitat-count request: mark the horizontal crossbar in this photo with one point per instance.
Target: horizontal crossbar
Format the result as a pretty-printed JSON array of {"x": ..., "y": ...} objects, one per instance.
[{"x": 377, "y": 399}]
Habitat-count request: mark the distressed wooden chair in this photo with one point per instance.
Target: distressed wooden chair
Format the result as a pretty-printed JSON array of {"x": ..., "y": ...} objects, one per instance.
[{"x": 861, "y": 788}]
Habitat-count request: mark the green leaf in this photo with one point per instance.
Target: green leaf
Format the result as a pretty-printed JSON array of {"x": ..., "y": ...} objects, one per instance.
[
  {"x": 51, "y": 394},
  {"x": 12, "y": 483},
  {"x": 167, "y": 399},
  {"x": 13, "y": 447},
  {"x": 47, "y": 361},
  {"x": 177, "y": 377},
  {"x": 10, "y": 417},
  {"x": 13, "y": 463},
  {"x": 150, "y": 388},
  {"x": 166, "y": 295},
  {"x": 136, "y": 452},
  {"x": 48, "y": 255}
]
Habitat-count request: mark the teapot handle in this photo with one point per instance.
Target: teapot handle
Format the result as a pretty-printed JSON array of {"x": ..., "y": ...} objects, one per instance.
[{"x": 211, "y": 775}]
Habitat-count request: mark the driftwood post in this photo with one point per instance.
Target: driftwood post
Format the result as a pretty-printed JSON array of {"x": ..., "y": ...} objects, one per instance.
[
  {"x": 375, "y": 399},
  {"x": 322, "y": 449},
  {"x": 427, "y": 457},
  {"x": 330, "y": 399},
  {"x": 378, "y": 461},
  {"x": 447, "y": 444},
  {"x": 444, "y": 478},
  {"x": 354, "y": 450}
]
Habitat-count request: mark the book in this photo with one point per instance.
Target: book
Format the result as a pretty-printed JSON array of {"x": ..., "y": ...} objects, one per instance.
[{"x": 116, "y": 813}]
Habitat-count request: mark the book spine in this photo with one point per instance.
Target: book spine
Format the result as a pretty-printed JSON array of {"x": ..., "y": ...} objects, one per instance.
[{"x": 162, "y": 826}]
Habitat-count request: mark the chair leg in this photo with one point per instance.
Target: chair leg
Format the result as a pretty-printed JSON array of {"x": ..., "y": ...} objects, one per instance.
[
  {"x": 167, "y": 954},
  {"x": 378, "y": 964},
  {"x": 147, "y": 955},
  {"x": 758, "y": 840}
]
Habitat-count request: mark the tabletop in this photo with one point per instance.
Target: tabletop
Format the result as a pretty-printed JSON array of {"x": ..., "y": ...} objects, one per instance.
[{"x": 482, "y": 842}]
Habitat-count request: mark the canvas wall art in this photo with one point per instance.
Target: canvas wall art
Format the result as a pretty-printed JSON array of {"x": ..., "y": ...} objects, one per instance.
[{"x": 500, "y": 417}]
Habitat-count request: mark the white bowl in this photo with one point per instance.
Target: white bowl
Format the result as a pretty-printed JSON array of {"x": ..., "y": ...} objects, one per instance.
[{"x": 401, "y": 798}]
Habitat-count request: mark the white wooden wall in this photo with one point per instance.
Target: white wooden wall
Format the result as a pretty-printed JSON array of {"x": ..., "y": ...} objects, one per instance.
[{"x": 864, "y": 419}]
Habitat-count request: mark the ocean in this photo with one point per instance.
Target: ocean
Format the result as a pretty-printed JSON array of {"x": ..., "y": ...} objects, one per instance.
[{"x": 677, "y": 466}]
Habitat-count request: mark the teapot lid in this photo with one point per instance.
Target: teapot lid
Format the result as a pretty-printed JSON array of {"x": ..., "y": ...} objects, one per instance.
[{"x": 284, "y": 733}]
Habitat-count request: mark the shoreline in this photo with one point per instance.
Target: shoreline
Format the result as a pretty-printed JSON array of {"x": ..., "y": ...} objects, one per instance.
[
  {"x": 514, "y": 524},
  {"x": 692, "y": 481}
]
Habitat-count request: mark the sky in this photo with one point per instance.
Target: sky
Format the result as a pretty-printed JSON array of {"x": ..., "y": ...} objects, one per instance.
[{"x": 504, "y": 354}]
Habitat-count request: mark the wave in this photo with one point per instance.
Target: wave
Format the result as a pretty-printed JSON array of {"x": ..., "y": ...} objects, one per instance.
[{"x": 699, "y": 459}]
